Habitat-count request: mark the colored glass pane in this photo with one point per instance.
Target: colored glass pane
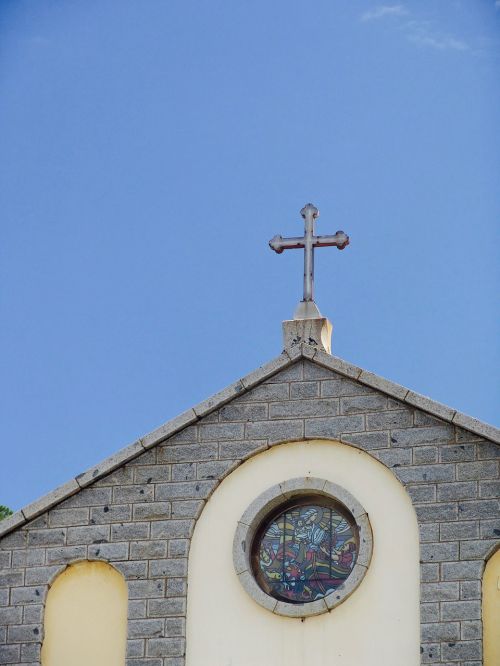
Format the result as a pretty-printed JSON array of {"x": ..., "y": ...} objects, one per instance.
[{"x": 305, "y": 552}]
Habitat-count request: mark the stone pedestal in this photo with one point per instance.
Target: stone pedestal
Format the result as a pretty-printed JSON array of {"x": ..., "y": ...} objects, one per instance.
[{"x": 315, "y": 332}]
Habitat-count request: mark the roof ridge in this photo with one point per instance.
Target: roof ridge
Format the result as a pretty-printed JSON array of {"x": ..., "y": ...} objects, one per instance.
[{"x": 249, "y": 381}]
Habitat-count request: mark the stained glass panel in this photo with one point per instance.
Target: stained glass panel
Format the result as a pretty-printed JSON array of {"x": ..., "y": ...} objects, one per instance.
[{"x": 305, "y": 552}]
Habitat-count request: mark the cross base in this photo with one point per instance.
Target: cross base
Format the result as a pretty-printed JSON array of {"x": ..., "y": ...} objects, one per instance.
[{"x": 316, "y": 332}]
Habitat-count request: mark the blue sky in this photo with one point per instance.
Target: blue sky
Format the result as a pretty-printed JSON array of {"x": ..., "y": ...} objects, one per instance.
[{"x": 148, "y": 152}]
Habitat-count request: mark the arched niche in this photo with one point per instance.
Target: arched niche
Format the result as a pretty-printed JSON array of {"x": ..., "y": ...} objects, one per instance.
[
  {"x": 85, "y": 619},
  {"x": 491, "y": 611},
  {"x": 380, "y": 619}
]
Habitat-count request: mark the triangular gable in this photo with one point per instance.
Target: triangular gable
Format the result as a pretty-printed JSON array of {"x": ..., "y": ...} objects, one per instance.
[{"x": 230, "y": 393}]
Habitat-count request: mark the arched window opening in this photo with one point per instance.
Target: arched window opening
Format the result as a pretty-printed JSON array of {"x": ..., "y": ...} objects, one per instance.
[{"x": 86, "y": 617}]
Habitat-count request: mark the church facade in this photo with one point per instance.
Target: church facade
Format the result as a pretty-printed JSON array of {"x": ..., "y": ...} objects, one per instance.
[{"x": 310, "y": 513}]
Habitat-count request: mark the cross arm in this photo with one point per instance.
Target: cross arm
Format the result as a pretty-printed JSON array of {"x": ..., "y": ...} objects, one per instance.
[
  {"x": 278, "y": 243},
  {"x": 339, "y": 240}
]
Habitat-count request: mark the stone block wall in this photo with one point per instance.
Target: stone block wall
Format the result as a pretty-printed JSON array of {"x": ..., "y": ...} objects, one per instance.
[{"x": 140, "y": 517}]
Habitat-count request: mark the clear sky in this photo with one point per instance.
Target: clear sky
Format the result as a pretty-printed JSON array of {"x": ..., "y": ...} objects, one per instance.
[{"x": 150, "y": 149}]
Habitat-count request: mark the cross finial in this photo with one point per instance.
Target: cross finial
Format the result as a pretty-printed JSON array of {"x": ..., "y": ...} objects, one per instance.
[{"x": 307, "y": 308}]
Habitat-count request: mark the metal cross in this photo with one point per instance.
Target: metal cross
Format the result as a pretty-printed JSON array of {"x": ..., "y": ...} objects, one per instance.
[{"x": 307, "y": 308}]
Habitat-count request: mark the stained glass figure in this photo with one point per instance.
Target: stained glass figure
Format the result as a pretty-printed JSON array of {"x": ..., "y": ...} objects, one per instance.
[{"x": 305, "y": 552}]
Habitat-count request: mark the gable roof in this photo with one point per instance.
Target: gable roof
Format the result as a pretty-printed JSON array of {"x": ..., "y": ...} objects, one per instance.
[{"x": 285, "y": 359}]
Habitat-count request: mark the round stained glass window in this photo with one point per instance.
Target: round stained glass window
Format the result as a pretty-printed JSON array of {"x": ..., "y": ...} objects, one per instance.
[{"x": 305, "y": 551}]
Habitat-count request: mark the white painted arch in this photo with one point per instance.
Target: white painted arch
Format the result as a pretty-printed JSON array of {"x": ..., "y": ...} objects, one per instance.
[{"x": 225, "y": 627}]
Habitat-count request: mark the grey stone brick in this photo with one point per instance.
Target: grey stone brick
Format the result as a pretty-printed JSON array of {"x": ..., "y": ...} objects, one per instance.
[
  {"x": 132, "y": 570},
  {"x": 394, "y": 457},
  {"x": 33, "y": 614},
  {"x": 187, "y": 436},
  {"x": 472, "y": 550},
  {"x": 88, "y": 497},
  {"x": 312, "y": 371},
  {"x": 145, "y": 628},
  {"x": 220, "y": 431},
  {"x": 462, "y": 650},
  {"x": 175, "y": 626},
  {"x": 477, "y": 470},
  {"x": 334, "y": 426},
  {"x": 250, "y": 411},
  {"x": 178, "y": 547},
  {"x": 332, "y": 388},
  {"x": 41, "y": 575},
  {"x": 184, "y": 471},
  {"x": 30, "y": 652},
  {"x": 216, "y": 469},
  {"x": 267, "y": 392},
  {"x": 129, "y": 531},
  {"x": 479, "y": 509},
  {"x": 132, "y": 493},
  {"x": 458, "y": 453},
  {"x": 108, "y": 551},
  {"x": 470, "y": 589},
  {"x": 304, "y": 390},
  {"x": 165, "y": 647},
  {"x": 489, "y": 489},
  {"x": 423, "y": 419},
  {"x": 429, "y": 573},
  {"x": 168, "y": 529},
  {"x": 275, "y": 431},
  {"x": 168, "y": 568},
  {"x": 425, "y": 473},
  {"x": 471, "y": 570},
  {"x": 429, "y": 532},
  {"x": 148, "y": 550},
  {"x": 16, "y": 539},
  {"x": 440, "y": 631},
  {"x": 457, "y": 491},
  {"x": 459, "y": 530},
  {"x": 135, "y": 648},
  {"x": 114, "y": 513},
  {"x": 188, "y": 509},
  {"x": 367, "y": 440},
  {"x": 430, "y": 653},
  {"x": 146, "y": 589},
  {"x": 471, "y": 630},
  {"x": 12, "y": 615},
  {"x": 191, "y": 490},
  {"x": 10, "y": 654},
  {"x": 136, "y": 609},
  {"x": 422, "y": 436},
  {"x": 439, "y": 552},
  {"x": 489, "y": 528},
  {"x": 54, "y": 537},
  {"x": 11, "y": 578},
  {"x": 243, "y": 449},
  {"x": 152, "y": 474},
  {"x": 26, "y": 633},
  {"x": 422, "y": 493},
  {"x": 167, "y": 607},
  {"x": 429, "y": 612},
  {"x": 146, "y": 458},
  {"x": 89, "y": 534},
  {"x": 389, "y": 420},
  {"x": 27, "y": 595},
  {"x": 460, "y": 610},
  {"x": 190, "y": 452},
  {"x": 120, "y": 477},
  {"x": 440, "y": 511},
  {"x": 28, "y": 558},
  {"x": 363, "y": 403},
  {"x": 488, "y": 451},
  {"x": 293, "y": 409},
  {"x": 152, "y": 511},
  {"x": 65, "y": 554},
  {"x": 425, "y": 454},
  {"x": 4, "y": 597},
  {"x": 440, "y": 591},
  {"x": 176, "y": 587}
]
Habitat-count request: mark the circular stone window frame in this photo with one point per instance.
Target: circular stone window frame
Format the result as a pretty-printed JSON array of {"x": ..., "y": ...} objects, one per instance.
[{"x": 269, "y": 502}]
